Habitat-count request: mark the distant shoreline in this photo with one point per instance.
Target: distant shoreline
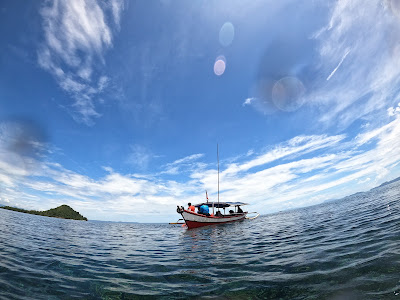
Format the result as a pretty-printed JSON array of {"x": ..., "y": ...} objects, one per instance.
[
  {"x": 60, "y": 212},
  {"x": 81, "y": 218}
]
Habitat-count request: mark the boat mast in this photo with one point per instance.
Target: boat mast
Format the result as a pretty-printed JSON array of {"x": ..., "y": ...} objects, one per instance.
[{"x": 218, "y": 175}]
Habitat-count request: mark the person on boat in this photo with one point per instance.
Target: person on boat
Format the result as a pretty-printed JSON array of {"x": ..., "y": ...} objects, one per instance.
[
  {"x": 218, "y": 214},
  {"x": 191, "y": 207},
  {"x": 239, "y": 210}
]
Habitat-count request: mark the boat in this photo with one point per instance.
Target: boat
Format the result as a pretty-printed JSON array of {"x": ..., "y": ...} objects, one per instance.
[{"x": 194, "y": 220}]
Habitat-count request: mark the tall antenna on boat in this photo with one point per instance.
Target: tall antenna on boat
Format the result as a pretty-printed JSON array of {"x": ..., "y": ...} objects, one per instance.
[{"x": 218, "y": 175}]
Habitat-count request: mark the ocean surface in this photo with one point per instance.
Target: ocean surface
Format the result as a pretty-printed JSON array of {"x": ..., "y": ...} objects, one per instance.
[{"x": 347, "y": 249}]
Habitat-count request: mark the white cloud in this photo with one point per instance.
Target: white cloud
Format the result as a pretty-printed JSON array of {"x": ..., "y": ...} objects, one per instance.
[
  {"x": 187, "y": 163},
  {"x": 187, "y": 159},
  {"x": 140, "y": 156},
  {"x": 392, "y": 111},
  {"x": 305, "y": 170},
  {"x": 363, "y": 138},
  {"x": 295, "y": 146},
  {"x": 366, "y": 84},
  {"x": 355, "y": 66},
  {"x": 248, "y": 101},
  {"x": 264, "y": 106},
  {"x": 117, "y": 7},
  {"x": 76, "y": 35}
]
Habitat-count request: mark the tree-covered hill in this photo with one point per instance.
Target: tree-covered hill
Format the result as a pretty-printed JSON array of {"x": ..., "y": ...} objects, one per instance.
[{"x": 63, "y": 211}]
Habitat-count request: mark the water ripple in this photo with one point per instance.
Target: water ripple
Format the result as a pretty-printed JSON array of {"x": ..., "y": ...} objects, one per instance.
[{"x": 348, "y": 248}]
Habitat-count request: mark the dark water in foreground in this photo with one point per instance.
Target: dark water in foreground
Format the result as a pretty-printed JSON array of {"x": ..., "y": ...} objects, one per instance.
[{"x": 348, "y": 249}]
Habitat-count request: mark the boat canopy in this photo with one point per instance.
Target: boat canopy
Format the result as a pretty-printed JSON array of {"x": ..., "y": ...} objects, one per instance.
[{"x": 221, "y": 204}]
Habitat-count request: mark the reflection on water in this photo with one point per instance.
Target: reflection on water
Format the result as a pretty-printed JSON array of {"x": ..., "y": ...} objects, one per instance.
[{"x": 349, "y": 248}]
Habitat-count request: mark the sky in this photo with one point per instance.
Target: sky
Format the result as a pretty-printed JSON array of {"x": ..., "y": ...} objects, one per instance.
[{"x": 116, "y": 107}]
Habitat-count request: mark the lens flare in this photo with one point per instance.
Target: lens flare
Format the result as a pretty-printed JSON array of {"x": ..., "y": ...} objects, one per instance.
[
  {"x": 24, "y": 141},
  {"x": 287, "y": 94},
  {"x": 219, "y": 65},
  {"x": 395, "y": 7},
  {"x": 226, "y": 34}
]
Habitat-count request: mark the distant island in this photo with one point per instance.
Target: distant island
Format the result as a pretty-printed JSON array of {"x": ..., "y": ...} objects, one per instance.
[
  {"x": 389, "y": 182},
  {"x": 63, "y": 212}
]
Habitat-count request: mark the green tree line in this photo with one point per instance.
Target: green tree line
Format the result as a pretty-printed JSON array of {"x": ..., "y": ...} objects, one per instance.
[{"x": 63, "y": 211}]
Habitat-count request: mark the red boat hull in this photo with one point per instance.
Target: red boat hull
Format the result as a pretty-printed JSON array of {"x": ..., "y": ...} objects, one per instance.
[
  {"x": 191, "y": 224},
  {"x": 194, "y": 220}
]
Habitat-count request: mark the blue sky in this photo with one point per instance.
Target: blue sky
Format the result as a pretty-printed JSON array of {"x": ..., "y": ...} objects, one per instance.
[{"x": 115, "y": 108}]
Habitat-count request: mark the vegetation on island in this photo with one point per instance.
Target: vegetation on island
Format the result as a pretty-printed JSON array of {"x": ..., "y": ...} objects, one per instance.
[{"x": 63, "y": 212}]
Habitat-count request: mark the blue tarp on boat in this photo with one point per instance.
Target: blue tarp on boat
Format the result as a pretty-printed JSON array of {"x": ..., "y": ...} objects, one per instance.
[{"x": 221, "y": 204}]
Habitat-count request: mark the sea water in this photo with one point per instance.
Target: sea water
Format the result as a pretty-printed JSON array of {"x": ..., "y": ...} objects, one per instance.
[{"x": 346, "y": 249}]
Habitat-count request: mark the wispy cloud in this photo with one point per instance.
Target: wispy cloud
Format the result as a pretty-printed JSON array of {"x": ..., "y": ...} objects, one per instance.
[
  {"x": 353, "y": 72},
  {"x": 76, "y": 36},
  {"x": 292, "y": 184},
  {"x": 366, "y": 86},
  {"x": 394, "y": 110},
  {"x": 304, "y": 170},
  {"x": 139, "y": 156},
  {"x": 188, "y": 163}
]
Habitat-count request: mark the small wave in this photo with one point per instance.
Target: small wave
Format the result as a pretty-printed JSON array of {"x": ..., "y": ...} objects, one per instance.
[{"x": 349, "y": 248}]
